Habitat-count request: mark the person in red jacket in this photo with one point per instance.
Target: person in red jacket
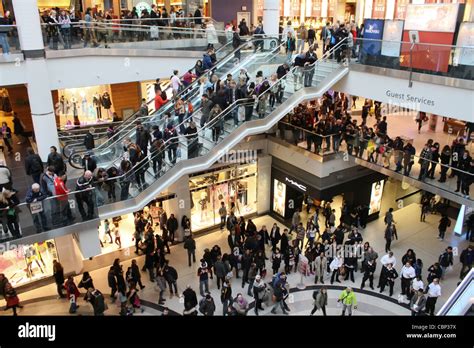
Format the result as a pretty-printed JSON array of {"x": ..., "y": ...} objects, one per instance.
[
  {"x": 62, "y": 199},
  {"x": 72, "y": 294},
  {"x": 160, "y": 100}
]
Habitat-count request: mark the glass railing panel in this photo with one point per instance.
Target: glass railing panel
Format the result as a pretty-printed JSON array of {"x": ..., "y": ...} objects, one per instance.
[
  {"x": 433, "y": 59},
  {"x": 41, "y": 215},
  {"x": 9, "y": 41}
]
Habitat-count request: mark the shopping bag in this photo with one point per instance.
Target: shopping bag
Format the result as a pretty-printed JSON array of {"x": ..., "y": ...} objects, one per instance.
[
  {"x": 36, "y": 207},
  {"x": 154, "y": 32},
  {"x": 241, "y": 113}
]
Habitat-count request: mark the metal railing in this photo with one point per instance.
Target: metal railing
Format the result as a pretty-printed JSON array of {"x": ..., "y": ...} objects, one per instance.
[{"x": 9, "y": 41}]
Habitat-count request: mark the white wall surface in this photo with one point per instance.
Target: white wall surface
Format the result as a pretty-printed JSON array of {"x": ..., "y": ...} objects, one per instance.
[{"x": 440, "y": 100}]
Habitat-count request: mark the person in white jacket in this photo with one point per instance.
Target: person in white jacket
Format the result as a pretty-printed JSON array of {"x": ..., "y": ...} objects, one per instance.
[
  {"x": 211, "y": 34},
  {"x": 334, "y": 266}
]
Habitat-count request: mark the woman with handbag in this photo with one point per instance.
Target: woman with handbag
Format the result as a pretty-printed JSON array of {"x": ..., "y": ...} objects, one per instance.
[{"x": 8, "y": 203}]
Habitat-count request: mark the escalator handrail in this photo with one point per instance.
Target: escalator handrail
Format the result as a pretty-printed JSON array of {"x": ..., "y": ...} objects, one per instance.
[
  {"x": 118, "y": 136},
  {"x": 222, "y": 115}
]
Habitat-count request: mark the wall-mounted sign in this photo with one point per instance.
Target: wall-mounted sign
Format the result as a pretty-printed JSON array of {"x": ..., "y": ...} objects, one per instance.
[
  {"x": 376, "y": 197},
  {"x": 378, "y": 10},
  {"x": 392, "y": 37},
  {"x": 296, "y": 184},
  {"x": 373, "y": 32},
  {"x": 409, "y": 98},
  {"x": 279, "y": 197},
  {"x": 432, "y": 17}
]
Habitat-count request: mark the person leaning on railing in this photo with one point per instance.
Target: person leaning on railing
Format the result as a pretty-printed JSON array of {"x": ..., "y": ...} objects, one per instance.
[{"x": 4, "y": 30}]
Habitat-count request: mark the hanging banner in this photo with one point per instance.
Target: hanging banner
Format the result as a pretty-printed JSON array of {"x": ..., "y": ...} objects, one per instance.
[
  {"x": 401, "y": 9},
  {"x": 464, "y": 55},
  {"x": 259, "y": 8},
  {"x": 432, "y": 18},
  {"x": 374, "y": 32},
  {"x": 392, "y": 37},
  {"x": 317, "y": 9},
  {"x": 287, "y": 8},
  {"x": 295, "y": 8},
  {"x": 332, "y": 8},
  {"x": 378, "y": 11}
]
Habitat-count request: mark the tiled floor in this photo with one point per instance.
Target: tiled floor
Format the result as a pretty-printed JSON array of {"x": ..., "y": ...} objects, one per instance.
[{"x": 420, "y": 236}]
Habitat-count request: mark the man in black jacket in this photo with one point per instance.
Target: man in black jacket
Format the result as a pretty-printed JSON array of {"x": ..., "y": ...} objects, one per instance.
[
  {"x": 190, "y": 246},
  {"x": 89, "y": 139},
  {"x": 84, "y": 195},
  {"x": 369, "y": 268},
  {"x": 89, "y": 163},
  {"x": 190, "y": 298},
  {"x": 172, "y": 226},
  {"x": 275, "y": 236},
  {"x": 55, "y": 160},
  {"x": 143, "y": 138},
  {"x": 33, "y": 165},
  {"x": 446, "y": 259},
  {"x": 171, "y": 276},
  {"x": 136, "y": 276}
]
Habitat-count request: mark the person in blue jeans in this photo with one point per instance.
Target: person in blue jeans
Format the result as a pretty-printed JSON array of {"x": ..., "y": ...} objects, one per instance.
[{"x": 3, "y": 34}]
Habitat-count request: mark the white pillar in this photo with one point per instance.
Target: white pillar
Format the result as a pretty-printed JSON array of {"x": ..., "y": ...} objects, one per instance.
[
  {"x": 89, "y": 243},
  {"x": 271, "y": 17},
  {"x": 69, "y": 254},
  {"x": 181, "y": 205},
  {"x": 264, "y": 181},
  {"x": 39, "y": 92},
  {"x": 41, "y": 105},
  {"x": 28, "y": 24}
]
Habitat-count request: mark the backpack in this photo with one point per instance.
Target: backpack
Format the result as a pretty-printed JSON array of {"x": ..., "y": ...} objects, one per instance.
[{"x": 333, "y": 40}]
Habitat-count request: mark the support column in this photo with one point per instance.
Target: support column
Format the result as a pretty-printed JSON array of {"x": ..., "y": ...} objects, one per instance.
[
  {"x": 271, "y": 17},
  {"x": 264, "y": 177},
  {"x": 69, "y": 254},
  {"x": 39, "y": 92},
  {"x": 88, "y": 242},
  {"x": 181, "y": 205},
  {"x": 359, "y": 15}
]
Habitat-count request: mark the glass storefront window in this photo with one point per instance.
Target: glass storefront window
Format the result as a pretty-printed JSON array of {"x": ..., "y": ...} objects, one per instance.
[
  {"x": 84, "y": 106},
  {"x": 27, "y": 263},
  {"x": 237, "y": 185}
]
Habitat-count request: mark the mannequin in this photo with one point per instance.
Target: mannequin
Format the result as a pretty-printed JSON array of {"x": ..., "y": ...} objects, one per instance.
[
  {"x": 203, "y": 204},
  {"x": 107, "y": 104},
  {"x": 63, "y": 105},
  {"x": 74, "y": 111},
  {"x": 97, "y": 101},
  {"x": 85, "y": 110}
]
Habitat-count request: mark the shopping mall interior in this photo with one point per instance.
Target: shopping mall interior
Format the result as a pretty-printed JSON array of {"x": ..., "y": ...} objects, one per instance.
[{"x": 133, "y": 130}]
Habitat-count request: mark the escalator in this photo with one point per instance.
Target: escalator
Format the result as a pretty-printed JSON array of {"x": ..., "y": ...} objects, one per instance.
[
  {"x": 189, "y": 154},
  {"x": 461, "y": 301},
  {"x": 72, "y": 139}
]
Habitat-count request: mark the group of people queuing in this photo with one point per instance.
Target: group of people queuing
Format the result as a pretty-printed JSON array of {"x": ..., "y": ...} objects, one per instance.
[
  {"x": 95, "y": 28},
  {"x": 326, "y": 123}
]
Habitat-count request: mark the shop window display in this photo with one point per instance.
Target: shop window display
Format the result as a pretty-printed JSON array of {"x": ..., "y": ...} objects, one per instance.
[
  {"x": 28, "y": 263},
  {"x": 5, "y": 104},
  {"x": 84, "y": 106},
  {"x": 236, "y": 185}
]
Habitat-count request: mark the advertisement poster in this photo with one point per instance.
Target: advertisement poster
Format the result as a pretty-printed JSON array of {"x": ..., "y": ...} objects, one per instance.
[
  {"x": 373, "y": 31},
  {"x": 376, "y": 197},
  {"x": 378, "y": 11},
  {"x": 259, "y": 8},
  {"x": 332, "y": 8},
  {"x": 465, "y": 55},
  {"x": 392, "y": 36},
  {"x": 279, "y": 197},
  {"x": 295, "y": 8},
  {"x": 401, "y": 9},
  {"x": 317, "y": 9},
  {"x": 432, "y": 17}
]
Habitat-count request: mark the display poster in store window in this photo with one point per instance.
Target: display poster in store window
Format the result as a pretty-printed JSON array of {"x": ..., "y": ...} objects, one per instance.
[
  {"x": 392, "y": 37},
  {"x": 374, "y": 33},
  {"x": 332, "y": 8},
  {"x": 316, "y": 10},
  {"x": 295, "y": 8},
  {"x": 378, "y": 9},
  {"x": 401, "y": 9},
  {"x": 279, "y": 197},
  {"x": 155, "y": 212},
  {"x": 432, "y": 17},
  {"x": 465, "y": 55},
  {"x": 376, "y": 197}
]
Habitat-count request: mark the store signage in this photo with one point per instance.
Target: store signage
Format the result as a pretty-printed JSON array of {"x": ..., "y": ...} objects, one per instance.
[
  {"x": 406, "y": 97},
  {"x": 378, "y": 11},
  {"x": 143, "y": 6},
  {"x": 279, "y": 197},
  {"x": 296, "y": 184},
  {"x": 432, "y": 18},
  {"x": 376, "y": 197},
  {"x": 392, "y": 36},
  {"x": 401, "y": 9},
  {"x": 464, "y": 53},
  {"x": 374, "y": 32},
  {"x": 317, "y": 8}
]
